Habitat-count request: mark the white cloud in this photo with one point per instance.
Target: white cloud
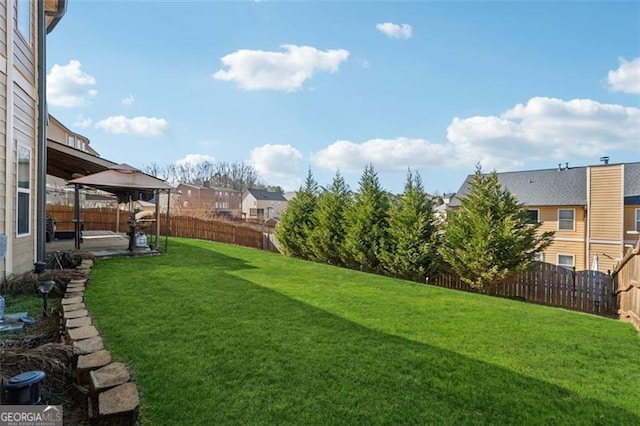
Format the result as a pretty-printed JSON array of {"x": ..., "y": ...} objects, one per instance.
[
  {"x": 626, "y": 78},
  {"x": 395, "y": 30},
  {"x": 83, "y": 122},
  {"x": 286, "y": 71},
  {"x": 278, "y": 165},
  {"x": 192, "y": 159},
  {"x": 142, "y": 126},
  {"x": 128, "y": 101},
  {"x": 386, "y": 155},
  {"x": 544, "y": 128},
  {"x": 69, "y": 86}
]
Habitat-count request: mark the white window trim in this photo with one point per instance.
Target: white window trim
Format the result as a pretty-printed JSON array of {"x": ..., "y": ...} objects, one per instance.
[
  {"x": 23, "y": 190},
  {"x": 28, "y": 38},
  {"x": 573, "y": 223},
  {"x": 573, "y": 260}
]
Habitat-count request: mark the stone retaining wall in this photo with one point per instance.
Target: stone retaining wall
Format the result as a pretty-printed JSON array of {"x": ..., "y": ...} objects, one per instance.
[{"x": 111, "y": 397}]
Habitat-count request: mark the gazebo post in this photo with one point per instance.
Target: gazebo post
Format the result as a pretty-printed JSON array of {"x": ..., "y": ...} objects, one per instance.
[
  {"x": 166, "y": 235},
  {"x": 76, "y": 215},
  {"x": 117, "y": 215},
  {"x": 157, "y": 197}
]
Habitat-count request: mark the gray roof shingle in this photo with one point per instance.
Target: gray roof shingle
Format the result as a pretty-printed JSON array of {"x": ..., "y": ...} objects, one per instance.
[
  {"x": 554, "y": 187},
  {"x": 261, "y": 194}
]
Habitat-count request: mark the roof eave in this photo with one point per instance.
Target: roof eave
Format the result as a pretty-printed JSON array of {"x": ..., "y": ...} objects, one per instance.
[{"x": 54, "y": 11}]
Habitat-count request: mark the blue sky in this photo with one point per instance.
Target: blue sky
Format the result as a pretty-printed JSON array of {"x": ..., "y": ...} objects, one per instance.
[{"x": 433, "y": 86}]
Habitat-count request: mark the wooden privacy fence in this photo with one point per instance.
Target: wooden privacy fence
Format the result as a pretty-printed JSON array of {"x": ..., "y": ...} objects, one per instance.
[
  {"x": 547, "y": 284},
  {"x": 94, "y": 219},
  {"x": 626, "y": 279},
  {"x": 232, "y": 233},
  {"x": 179, "y": 226}
]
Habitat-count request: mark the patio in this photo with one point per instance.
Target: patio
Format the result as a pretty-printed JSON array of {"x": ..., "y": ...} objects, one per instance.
[{"x": 102, "y": 244}]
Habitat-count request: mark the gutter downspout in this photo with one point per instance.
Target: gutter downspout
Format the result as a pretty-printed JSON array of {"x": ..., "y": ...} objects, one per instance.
[
  {"x": 41, "y": 173},
  {"x": 41, "y": 170}
]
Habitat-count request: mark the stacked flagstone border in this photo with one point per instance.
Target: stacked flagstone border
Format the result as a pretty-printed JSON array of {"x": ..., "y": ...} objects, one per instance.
[{"x": 112, "y": 397}]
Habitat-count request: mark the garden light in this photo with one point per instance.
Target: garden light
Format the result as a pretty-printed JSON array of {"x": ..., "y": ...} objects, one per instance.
[{"x": 45, "y": 287}]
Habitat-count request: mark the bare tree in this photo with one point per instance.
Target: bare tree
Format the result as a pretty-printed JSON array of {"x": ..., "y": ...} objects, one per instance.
[{"x": 236, "y": 175}]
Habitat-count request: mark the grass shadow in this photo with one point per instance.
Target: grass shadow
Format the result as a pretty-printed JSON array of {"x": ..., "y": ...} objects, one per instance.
[{"x": 212, "y": 348}]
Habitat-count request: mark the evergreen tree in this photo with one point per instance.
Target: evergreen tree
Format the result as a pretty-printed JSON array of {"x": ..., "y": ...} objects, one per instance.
[
  {"x": 410, "y": 249},
  {"x": 327, "y": 237},
  {"x": 490, "y": 237},
  {"x": 297, "y": 220},
  {"x": 366, "y": 224}
]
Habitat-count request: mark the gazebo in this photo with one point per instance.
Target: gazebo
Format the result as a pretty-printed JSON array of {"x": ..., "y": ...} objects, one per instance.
[{"x": 128, "y": 184}]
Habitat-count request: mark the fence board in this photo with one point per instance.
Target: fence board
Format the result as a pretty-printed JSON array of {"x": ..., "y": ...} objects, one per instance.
[
  {"x": 547, "y": 284},
  {"x": 627, "y": 286}
]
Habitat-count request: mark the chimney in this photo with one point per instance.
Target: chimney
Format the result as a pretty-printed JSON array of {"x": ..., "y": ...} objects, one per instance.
[
  {"x": 559, "y": 166},
  {"x": 605, "y": 159},
  {"x": 566, "y": 166}
]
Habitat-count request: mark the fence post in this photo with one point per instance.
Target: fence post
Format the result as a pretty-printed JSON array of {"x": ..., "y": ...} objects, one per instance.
[{"x": 573, "y": 295}]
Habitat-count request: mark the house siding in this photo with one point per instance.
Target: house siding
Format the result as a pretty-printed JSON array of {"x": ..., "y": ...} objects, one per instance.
[
  {"x": 3, "y": 30},
  {"x": 606, "y": 215},
  {"x": 24, "y": 124},
  {"x": 548, "y": 215},
  {"x": 3, "y": 150},
  {"x": 23, "y": 52},
  {"x": 608, "y": 255},
  {"x": 18, "y": 123},
  {"x": 565, "y": 242},
  {"x": 606, "y": 202},
  {"x": 630, "y": 238}
]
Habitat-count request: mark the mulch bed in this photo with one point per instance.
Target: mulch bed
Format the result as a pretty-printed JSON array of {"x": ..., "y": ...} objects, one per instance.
[{"x": 40, "y": 347}]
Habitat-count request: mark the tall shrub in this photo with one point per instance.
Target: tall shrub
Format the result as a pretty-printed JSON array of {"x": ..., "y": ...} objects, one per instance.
[
  {"x": 410, "y": 249},
  {"x": 490, "y": 237},
  {"x": 366, "y": 224},
  {"x": 327, "y": 237},
  {"x": 296, "y": 222}
]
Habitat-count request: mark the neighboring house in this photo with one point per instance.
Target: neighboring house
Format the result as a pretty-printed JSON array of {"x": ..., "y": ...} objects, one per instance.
[
  {"x": 209, "y": 199},
  {"x": 441, "y": 205},
  {"x": 290, "y": 195},
  {"x": 262, "y": 205},
  {"x": 70, "y": 155},
  {"x": 22, "y": 92},
  {"x": 593, "y": 210}
]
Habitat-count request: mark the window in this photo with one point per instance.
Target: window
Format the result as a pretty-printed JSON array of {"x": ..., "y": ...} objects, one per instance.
[
  {"x": 566, "y": 219},
  {"x": 534, "y": 215},
  {"x": 637, "y": 220},
  {"x": 538, "y": 257},
  {"x": 188, "y": 193},
  {"x": 24, "y": 19},
  {"x": 565, "y": 260},
  {"x": 24, "y": 190},
  {"x": 253, "y": 212},
  {"x": 71, "y": 141}
]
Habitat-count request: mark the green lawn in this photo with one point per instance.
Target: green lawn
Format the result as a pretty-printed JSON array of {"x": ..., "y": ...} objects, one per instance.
[{"x": 219, "y": 334}]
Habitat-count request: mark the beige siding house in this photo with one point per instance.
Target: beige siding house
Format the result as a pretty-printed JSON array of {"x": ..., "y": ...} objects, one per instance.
[
  {"x": 259, "y": 204},
  {"x": 19, "y": 119},
  {"x": 594, "y": 210}
]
